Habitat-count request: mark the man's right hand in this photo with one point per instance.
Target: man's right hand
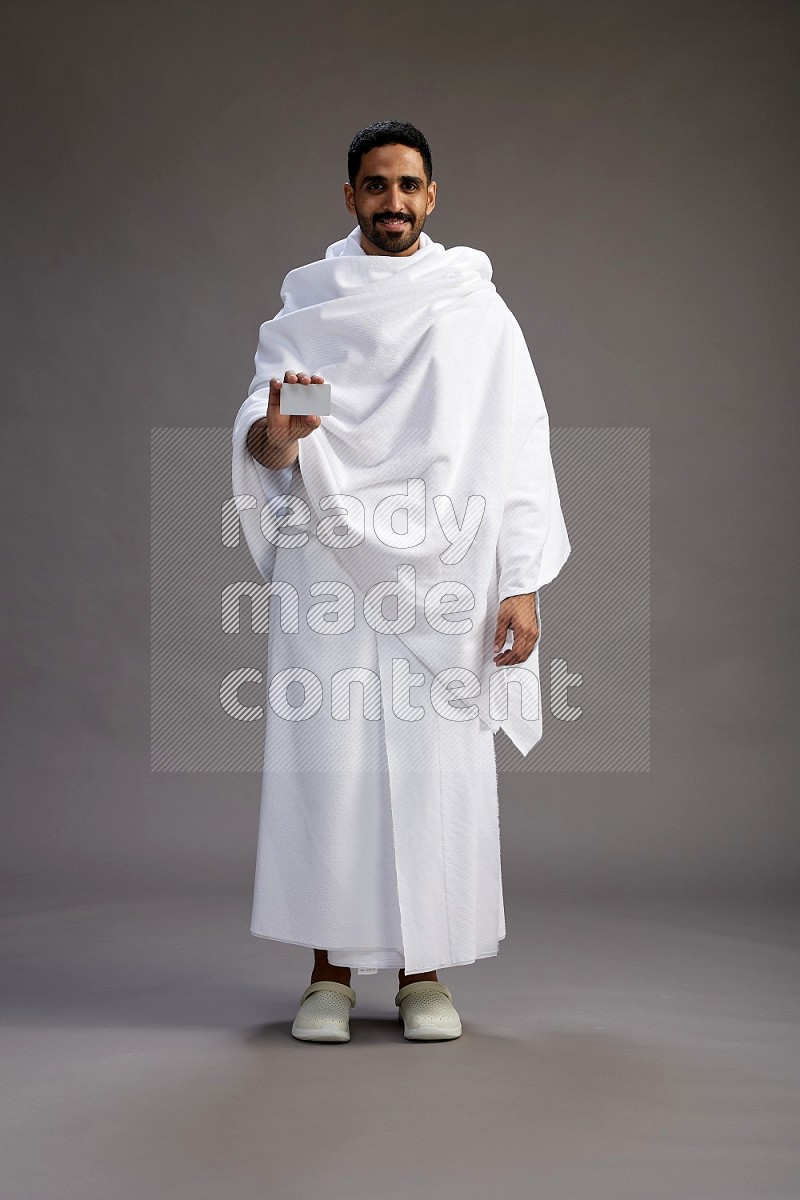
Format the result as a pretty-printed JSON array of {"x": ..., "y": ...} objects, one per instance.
[{"x": 272, "y": 439}]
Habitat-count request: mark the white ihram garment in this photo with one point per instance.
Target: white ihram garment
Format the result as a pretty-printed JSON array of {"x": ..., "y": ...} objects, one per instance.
[{"x": 379, "y": 834}]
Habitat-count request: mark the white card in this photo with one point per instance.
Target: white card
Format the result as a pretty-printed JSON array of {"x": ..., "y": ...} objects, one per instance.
[{"x": 306, "y": 399}]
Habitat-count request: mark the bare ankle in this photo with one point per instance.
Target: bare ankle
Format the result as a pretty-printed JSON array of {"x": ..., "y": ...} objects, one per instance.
[
  {"x": 403, "y": 979},
  {"x": 323, "y": 970}
]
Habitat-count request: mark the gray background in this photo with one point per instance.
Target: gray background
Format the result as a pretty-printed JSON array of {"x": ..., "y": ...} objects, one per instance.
[{"x": 626, "y": 167}]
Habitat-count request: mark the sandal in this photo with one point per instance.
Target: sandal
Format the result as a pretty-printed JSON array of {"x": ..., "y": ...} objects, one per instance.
[
  {"x": 324, "y": 1013},
  {"x": 427, "y": 1011}
]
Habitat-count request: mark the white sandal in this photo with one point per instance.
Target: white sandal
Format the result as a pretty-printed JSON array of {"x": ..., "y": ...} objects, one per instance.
[
  {"x": 427, "y": 1012},
  {"x": 324, "y": 1013}
]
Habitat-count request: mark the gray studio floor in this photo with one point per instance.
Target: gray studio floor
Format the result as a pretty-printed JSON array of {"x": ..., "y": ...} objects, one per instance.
[{"x": 612, "y": 1050}]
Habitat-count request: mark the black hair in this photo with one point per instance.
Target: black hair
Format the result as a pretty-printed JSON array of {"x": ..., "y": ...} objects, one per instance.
[{"x": 387, "y": 133}]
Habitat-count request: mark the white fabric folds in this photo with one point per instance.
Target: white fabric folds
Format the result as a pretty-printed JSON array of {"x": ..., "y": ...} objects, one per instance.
[{"x": 432, "y": 476}]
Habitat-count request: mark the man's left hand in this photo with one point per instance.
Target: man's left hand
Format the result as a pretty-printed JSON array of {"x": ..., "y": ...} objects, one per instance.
[{"x": 517, "y": 613}]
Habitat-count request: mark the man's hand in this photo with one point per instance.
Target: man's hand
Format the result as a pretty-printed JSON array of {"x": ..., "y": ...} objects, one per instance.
[
  {"x": 518, "y": 613},
  {"x": 272, "y": 439}
]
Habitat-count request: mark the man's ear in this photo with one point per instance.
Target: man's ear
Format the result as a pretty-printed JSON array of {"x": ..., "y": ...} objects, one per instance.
[{"x": 432, "y": 197}]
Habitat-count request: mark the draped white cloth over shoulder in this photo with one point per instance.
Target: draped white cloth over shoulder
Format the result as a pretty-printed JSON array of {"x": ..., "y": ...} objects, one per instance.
[
  {"x": 435, "y": 399},
  {"x": 430, "y": 484}
]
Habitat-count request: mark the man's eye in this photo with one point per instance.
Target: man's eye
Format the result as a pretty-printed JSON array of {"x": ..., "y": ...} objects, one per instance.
[{"x": 409, "y": 184}]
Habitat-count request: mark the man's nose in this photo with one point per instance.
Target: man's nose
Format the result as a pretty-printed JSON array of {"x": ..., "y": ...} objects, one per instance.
[{"x": 395, "y": 200}]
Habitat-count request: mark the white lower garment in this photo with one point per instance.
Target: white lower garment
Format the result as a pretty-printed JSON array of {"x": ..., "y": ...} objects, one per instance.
[{"x": 378, "y": 839}]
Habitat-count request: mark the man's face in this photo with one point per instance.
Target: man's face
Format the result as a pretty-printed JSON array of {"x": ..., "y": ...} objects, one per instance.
[{"x": 391, "y": 184}]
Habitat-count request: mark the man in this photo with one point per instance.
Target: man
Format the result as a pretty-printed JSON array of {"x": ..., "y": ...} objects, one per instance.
[{"x": 430, "y": 484}]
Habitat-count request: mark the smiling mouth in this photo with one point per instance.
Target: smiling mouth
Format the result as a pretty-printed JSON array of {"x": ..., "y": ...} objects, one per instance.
[{"x": 392, "y": 224}]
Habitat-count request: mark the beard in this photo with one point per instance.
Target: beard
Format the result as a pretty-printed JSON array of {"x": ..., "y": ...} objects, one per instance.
[{"x": 390, "y": 242}]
